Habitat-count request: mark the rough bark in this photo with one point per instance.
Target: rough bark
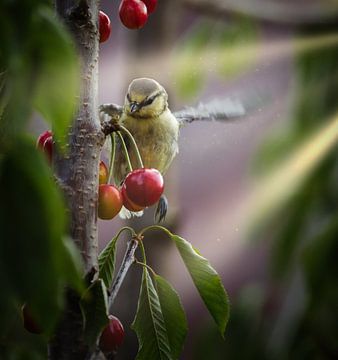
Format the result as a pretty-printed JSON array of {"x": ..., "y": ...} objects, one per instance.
[{"x": 77, "y": 171}]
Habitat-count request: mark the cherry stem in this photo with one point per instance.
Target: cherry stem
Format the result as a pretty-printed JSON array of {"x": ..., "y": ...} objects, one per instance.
[
  {"x": 144, "y": 263},
  {"x": 155, "y": 227},
  {"x": 146, "y": 266},
  {"x": 143, "y": 253},
  {"x": 130, "y": 168},
  {"x": 132, "y": 232},
  {"x": 136, "y": 149},
  {"x": 112, "y": 158},
  {"x": 127, "y": 261}
]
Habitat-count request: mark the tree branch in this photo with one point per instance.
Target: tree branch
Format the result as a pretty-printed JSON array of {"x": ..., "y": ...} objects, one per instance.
[
  {"x": 109, "y": 116},
  {"x": 110, "y": 126},
  {"x": 77, "y": 171},
  {"x": 126, "y": 263}
]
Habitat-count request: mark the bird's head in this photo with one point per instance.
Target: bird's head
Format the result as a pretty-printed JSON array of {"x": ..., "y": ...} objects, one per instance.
[{"x": 145, "y": 98}]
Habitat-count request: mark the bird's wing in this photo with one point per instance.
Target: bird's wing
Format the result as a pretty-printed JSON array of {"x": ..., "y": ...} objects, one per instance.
[
  {"x": 113, "y": 110},
  {"x": 218, "y": 110}
]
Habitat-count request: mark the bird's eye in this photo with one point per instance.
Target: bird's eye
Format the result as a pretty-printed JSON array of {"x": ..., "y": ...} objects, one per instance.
[{"x": 148, "y": 101}]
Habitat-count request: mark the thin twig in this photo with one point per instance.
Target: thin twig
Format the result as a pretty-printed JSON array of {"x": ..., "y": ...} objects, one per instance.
[
  {"x": 126, "y": 263},
  {"x": 110, "y": 126}
]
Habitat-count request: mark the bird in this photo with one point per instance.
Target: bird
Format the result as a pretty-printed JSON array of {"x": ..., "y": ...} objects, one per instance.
[{"x": 146, "y": 115}]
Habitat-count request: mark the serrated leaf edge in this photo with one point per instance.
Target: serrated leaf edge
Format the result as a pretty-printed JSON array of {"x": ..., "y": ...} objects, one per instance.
[
  {"x": 167, "y": 352},
  {"x": 105, "y": 260},
  {"x": 105, "y": 256},
  {"x": 185, "y": 324}
]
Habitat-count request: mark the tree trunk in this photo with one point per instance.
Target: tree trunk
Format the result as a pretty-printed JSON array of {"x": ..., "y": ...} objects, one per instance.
[{"x": 77, "y": 170}]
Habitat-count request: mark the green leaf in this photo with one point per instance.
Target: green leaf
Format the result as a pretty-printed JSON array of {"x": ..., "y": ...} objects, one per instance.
[
  {"x": 149, "y": 324},
  {"x": 207, "y": 282},
  {"x": 42, "y": 69},
  {"x": 107, "y": 259},
  {"x": 58, "y": 73},
  {"x": 94, "y": 306},
  {"x": 32, "y": 225},
  {"x": 173, "y": 315},
  {"x": 18, "y": 62},
  {"x": 319, "y": 258},
  {"x": 107, "y": 262}
]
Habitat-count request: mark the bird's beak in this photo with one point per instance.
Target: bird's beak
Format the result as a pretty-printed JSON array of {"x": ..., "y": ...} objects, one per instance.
[{"x": 134, "y": 106}]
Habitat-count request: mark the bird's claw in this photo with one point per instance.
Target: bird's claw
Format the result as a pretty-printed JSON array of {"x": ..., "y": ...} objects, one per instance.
[{"x": 161, "y": 210}]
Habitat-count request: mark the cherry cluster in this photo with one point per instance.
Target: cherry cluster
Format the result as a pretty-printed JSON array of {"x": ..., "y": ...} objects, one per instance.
[
  {"x": 133, "y": 15},
  {"x": 140, "y": 189}
]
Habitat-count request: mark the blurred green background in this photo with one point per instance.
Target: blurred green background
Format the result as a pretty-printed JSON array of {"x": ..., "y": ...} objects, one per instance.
[{"x": 258, "y": 196}]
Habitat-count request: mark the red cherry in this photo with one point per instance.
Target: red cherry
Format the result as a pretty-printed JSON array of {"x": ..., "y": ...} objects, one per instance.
[
  {"x": 151, "y": 5},
  {"x": 133, "y": 13},
  {"x": 104, "y": 26},
  {"x": 42, "y": 138},
  {"x": 112, "y": 335},
  {"x": 103, "y": 173},
  {"x": 110, "y": 201},
  {"x": 129, "y": 204},
  {"x": 48, "y": 148},
  {"x": 28, "y": 321},
  {"x": 144, "y": 187}
]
